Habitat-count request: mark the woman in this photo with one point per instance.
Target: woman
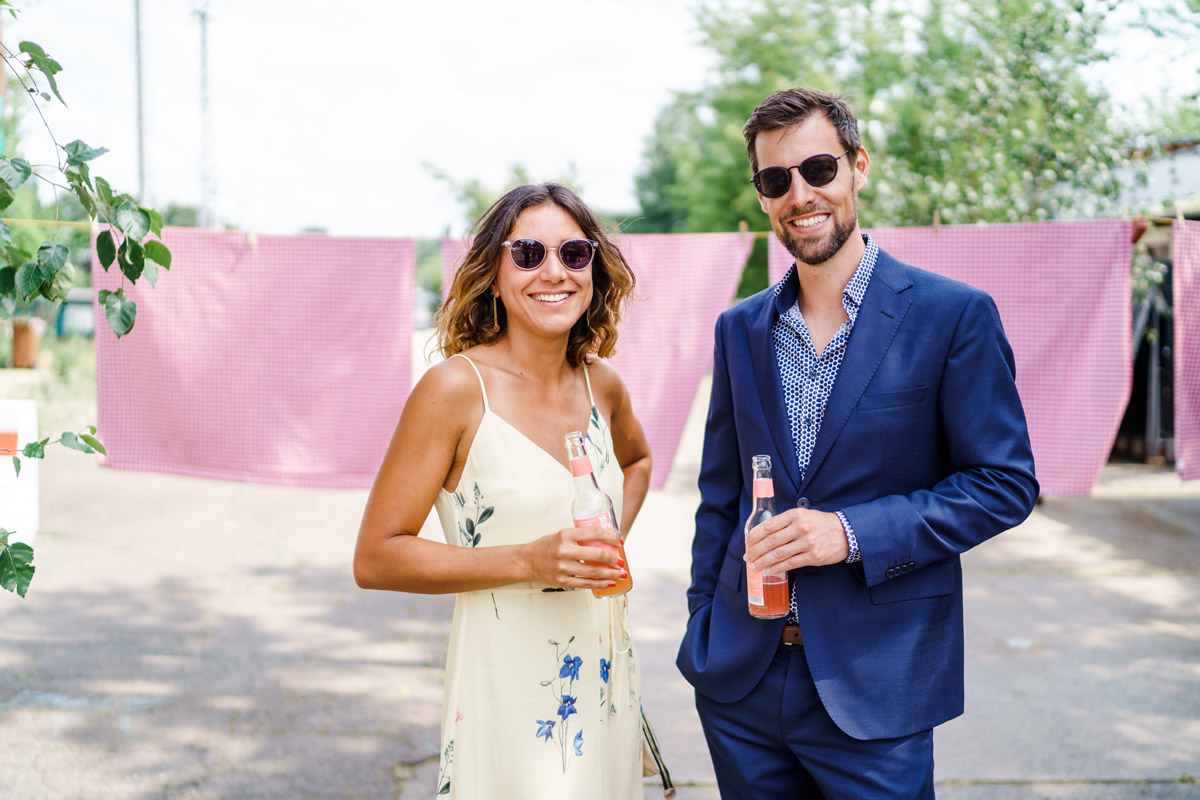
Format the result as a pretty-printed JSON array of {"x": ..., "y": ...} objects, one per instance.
[{"x": 542, "y": 694}]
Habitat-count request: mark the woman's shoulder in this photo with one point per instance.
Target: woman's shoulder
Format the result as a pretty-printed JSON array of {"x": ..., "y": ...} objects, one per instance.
[
  {"x": 607, "y": 382},
  {"x": 451, "y": 383}
]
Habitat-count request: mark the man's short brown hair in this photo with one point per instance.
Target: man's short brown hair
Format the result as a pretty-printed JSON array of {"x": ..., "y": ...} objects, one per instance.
[{"x": 789, "y": 107}]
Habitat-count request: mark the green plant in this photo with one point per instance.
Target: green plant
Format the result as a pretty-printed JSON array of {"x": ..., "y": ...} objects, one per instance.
[{"x": 130, "y": 239}]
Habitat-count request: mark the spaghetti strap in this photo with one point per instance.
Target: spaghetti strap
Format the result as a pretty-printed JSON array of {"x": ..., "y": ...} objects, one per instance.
[
  {"x": 486, "y": 407},
  {"x": 588, "y": 381}
]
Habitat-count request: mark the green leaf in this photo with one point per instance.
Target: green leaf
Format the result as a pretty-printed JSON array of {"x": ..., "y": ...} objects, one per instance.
[
  {"x": 133, "y": 259},
  {"x": 17, "y": 465},
  {"x": 78, "y": 152},
  {"x": 84, "y": 174},
  {"x": 156, "y": 225},
  {"x": 120, "y": 312},
  {"x": 106, "y": 249},
  {"x": 104, "y": 191},
  {"x": 158, "y": 253},
  {"x": 72, "y": 441},
  {"x": 51, "y": 258},
  {"x": 57, "y": 289},
  {"x": 150, "y": 272},
  {"x": 5, "y": 234},
  {"x": 133, "y": 221},
  {"x": 15, "y": 171},
  {"x": 39, "y": 60},
  {"x": 16, "y": 565},
  {"x": 29, "y": 279},
  {"x": 35, "y": 449},
  {"x": 8, "y": 280},
  {"x": 93, "y": 442},
  {"x": 7, "y": 195},
  {"x": 85, "y": 199}
]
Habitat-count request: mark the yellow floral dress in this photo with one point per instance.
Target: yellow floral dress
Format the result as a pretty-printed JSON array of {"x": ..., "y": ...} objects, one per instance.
[{"x": 543, "y": 693}]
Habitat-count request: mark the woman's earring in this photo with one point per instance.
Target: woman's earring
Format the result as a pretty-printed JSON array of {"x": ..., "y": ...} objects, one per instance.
[{"x": 495, "y": 316}]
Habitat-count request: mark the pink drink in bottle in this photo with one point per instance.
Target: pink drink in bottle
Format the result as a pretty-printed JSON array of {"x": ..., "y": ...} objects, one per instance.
[
  {"x": 592, "y": 508},
  {"x": 767, "y": 593}
]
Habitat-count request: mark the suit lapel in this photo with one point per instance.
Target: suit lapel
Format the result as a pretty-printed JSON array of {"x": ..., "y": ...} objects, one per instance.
[
  {"x": 879, "y": 318},
  {"x": 770, "y": 389}
]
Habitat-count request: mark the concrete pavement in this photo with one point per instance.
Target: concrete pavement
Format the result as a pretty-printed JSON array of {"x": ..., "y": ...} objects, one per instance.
[{"x": 193, "y": 639}]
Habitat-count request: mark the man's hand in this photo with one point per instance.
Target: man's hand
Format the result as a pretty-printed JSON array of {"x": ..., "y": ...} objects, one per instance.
[{"x": 799, "y": 537}]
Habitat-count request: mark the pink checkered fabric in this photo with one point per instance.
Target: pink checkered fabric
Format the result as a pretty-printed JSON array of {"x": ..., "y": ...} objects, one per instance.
[
  {"x": 272, "y": 359},
  {"x": 1063, "y": 292},
  {"x": 685, "y": 281},
  {"x": 1186, "y": 285}
]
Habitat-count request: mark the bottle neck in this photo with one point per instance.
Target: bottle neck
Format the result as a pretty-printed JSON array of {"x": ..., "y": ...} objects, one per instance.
[
  {"x": 764, "y": 492},
  {"x": 764, "y": 503}
]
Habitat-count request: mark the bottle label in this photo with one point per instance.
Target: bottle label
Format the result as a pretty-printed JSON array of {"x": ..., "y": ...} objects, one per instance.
[
  {"x": 754, "y": 587},
  {"x": 764, "y": 487},
  {"x": 600, "y": 520},
  {"x": 581, "y": 466}
]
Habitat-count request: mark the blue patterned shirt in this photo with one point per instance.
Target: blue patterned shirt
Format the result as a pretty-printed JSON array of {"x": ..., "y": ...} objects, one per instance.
[{"x": 807, "y": 376}]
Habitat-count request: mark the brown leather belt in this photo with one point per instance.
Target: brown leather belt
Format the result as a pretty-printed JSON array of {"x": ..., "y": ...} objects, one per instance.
[{"x": 791, "y": 634}]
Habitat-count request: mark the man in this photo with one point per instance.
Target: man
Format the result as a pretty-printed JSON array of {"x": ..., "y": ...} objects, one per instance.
[{"x": 885, "y": 397}]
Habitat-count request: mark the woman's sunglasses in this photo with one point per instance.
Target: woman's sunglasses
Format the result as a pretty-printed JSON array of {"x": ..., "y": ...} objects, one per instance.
[
  {"x": 816, "y": 171},
  {"x": 575, "y": 254}
]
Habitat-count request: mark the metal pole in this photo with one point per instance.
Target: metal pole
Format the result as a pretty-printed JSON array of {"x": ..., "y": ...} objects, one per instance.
[
  {"x": 137, "y": 61},
  {"x": 207, "y": 212},
  {"x": 1154, "y": 392}
]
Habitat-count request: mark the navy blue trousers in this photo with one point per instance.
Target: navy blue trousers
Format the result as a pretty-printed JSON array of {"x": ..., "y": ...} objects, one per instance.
[{"x": 779, "y": 742}]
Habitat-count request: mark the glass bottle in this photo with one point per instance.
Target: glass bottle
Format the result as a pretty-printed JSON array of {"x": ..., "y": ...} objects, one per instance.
[
  {"x": 767, "y": 593},
  {"x": 592, "y": 508}
]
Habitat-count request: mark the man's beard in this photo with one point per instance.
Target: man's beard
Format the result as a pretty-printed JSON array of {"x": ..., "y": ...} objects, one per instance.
[{"x": 818, "y": 252}]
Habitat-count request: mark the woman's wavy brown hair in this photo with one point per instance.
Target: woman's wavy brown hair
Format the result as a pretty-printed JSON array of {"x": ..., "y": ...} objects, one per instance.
[{"x": 466, "y": 319}]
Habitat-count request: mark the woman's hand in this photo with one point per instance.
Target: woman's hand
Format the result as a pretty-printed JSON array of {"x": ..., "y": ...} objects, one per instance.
[{"x": 557, "y": 559}]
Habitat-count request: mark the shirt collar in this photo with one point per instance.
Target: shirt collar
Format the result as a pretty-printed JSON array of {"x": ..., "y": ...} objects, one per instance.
[{"x": 787, "y": 290}]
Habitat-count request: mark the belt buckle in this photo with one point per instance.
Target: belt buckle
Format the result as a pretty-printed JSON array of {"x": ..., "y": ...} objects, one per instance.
[{"x": 791, "y": 635}]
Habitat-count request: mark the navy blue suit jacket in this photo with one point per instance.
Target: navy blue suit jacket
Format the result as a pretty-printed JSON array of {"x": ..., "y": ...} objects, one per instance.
[{"x": 923, "y": 446}]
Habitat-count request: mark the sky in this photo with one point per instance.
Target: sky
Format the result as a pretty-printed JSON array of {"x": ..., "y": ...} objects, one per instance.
[
  {"x": 327, "y": 114},
  {"x": 330, "y": 115}
]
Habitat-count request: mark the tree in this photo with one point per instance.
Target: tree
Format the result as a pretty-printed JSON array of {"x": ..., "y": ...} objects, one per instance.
[
  {"x": 978, "y": 111},
  {"x": 28, "y": 277}
]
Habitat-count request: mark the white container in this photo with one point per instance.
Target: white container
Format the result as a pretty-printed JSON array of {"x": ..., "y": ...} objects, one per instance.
[{"x": 19, "y": 495}]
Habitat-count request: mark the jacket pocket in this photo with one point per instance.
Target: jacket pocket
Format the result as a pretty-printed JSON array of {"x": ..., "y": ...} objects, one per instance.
[
  {"x": 933, "y": 580},
  {"x": 905, "y": 397},
  {"x": 731, "y": 573}
]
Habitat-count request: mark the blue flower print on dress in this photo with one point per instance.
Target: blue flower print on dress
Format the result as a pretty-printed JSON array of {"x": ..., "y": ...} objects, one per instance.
[
  {"x": 570, "y": 667},
  {"x": 567, "y": 707},
  {"x": 604, "y": 666}
]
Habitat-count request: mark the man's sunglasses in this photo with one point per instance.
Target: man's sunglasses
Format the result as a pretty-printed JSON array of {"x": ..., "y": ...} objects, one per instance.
[
  {"x": 816, "y": 171},
  {"x": 575, "y": 254}
]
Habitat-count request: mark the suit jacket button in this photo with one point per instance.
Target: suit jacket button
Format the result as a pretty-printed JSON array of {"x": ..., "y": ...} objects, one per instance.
[
  {"x": 891, "y": 573},
  {"x": 802, "y": 502}
]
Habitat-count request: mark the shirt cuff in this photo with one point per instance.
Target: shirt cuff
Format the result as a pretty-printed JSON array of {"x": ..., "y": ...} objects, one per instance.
[{"x": 850, "y": 540}]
